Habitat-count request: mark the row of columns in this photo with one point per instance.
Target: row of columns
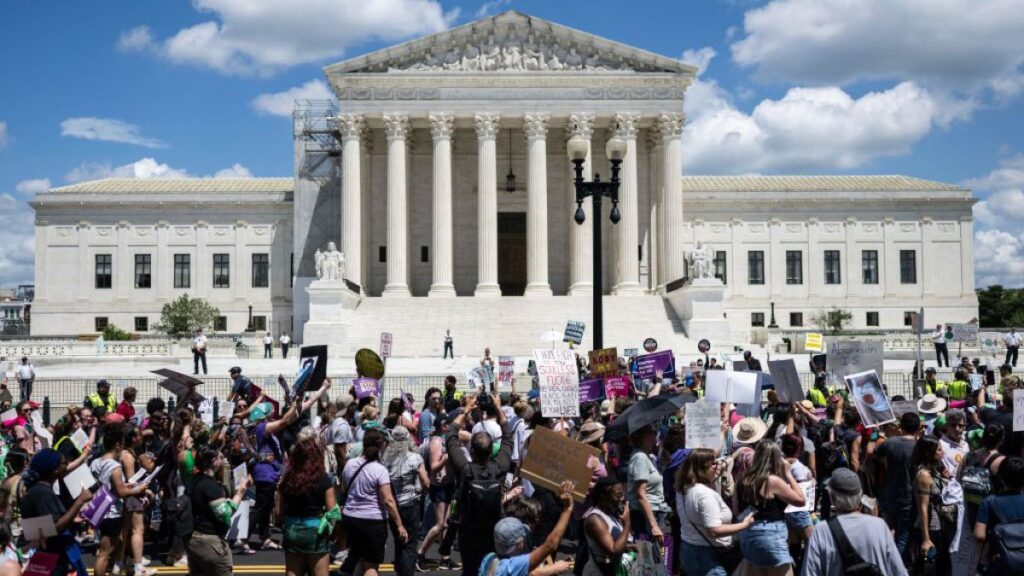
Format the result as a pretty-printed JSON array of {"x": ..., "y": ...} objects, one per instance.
[{"x": 667, "y": 223}]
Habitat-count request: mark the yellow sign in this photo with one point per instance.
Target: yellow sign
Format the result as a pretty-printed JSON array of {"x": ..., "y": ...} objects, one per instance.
[{"x": 814, "y": 342}]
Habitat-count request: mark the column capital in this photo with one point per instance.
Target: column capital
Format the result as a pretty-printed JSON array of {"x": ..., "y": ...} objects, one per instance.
[
  {"x": 535, "y": 126},
  {"x": 442, "y": 125},
  {"x": 487, "y": 125},
  {"x": 671, "y": 124},
  {"x": 396, "y": 126},
  {"x": 626, "y": 125},
  {"x": 581, "y": 124},
  {"x": 350, "y": 125}
]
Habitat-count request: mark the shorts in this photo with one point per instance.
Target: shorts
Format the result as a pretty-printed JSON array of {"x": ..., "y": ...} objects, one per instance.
[
  {"x": 443, "y": 493},
  {"x": 366, "y": 539},
  {"x": 798, "y": 520},
  {"x": 301, "y": 536},
  {"x": 764, "y": 544},
  {"x": 111, "y": 527}
]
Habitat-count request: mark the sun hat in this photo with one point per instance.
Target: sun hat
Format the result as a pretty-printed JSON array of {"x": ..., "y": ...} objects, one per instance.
[
  {"x": 508, "y": 533},
  {"x": 844, "y": 481},
  {"x": 931, "y": 404},
  {"x": 749, "y": 430},
  {"x": 591, "y": 432},
  {"x": 807, "y": 404},
  {"x": 400, "y": 434}
]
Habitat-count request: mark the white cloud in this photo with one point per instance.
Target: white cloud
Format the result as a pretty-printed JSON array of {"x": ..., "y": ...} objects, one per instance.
[
  {"x": 107, "y": 130},
  {"x": 264, "y": 36},
  {"x": 700, "y": 58},
  {"x": 3, "y": 135},
  {"x": 957, "y": 45},
  {"x": 281, "y": 103},
  {"x": 491, "y": 7},
  {"x": 17, "y": 236},
  {"x": 145, "y": 168},
  {"x": 998, "y": 258},
  {"x": 33, "y": 186},
  {"x": 999, "y": 230},
  {"x": 137, "y": 39},
  {"x": 235, "y": 171}
]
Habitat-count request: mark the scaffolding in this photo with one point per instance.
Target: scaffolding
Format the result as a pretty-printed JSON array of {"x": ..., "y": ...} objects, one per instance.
[{"x": 316, "y": 129}]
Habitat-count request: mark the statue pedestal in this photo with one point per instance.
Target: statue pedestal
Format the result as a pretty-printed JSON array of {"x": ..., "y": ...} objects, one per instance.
[
  {"x": 332, "y": 308},
  {"x": 699, "y": 305}
]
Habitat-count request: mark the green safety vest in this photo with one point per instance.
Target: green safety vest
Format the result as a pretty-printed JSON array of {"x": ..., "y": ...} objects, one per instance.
[
  {"x": 930, "y": 388},
  {"x": 958, "y": 390},
  {"x": 817, "y": 397},
  {"x": 96, "y": 401}
]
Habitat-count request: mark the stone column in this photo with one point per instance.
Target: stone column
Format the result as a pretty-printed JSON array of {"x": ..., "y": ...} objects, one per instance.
[
  {"x": 536, "y": 128},
  {"x": 581, "y": 237},
  {"x": 441, "y": 128},
  {"x": 671, "y": 126},
  {"x": 351, "y": 128},
  {"x": 656, "y": 255},
  {"x": 627, "y": 281},
  {"x": 487, "y": 125},
  {"x": 396, "y": 126}
]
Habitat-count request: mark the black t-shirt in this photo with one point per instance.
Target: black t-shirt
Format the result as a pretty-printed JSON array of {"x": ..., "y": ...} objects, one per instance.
[
  {"x": 896, "y": 453},
  {"x": 204, "y": 491},
  {"x": 309, "y": 504},
  {"x": 40, "y": 500},
  {"x": 1012, "y": 441}
]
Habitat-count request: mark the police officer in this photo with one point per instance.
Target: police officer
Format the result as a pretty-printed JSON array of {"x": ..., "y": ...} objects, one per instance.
[
  {"x": 101, "y": 400},
  {"x": 931, "y": 385}
]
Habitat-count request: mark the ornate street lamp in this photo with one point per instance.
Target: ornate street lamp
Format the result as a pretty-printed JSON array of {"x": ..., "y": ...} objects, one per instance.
[{"x": 578, "y": 147}]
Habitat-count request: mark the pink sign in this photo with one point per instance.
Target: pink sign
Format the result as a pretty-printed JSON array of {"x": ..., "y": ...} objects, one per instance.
[
  {"x": 616, "y": 386},
  {"x": 367, "y": 387}
]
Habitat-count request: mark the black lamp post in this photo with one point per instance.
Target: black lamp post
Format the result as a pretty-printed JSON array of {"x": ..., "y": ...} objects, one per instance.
[
  {"x": 251, "y": 327},
  {"x": 578, "y": 147},
  {"x": 772, "y": 323}
]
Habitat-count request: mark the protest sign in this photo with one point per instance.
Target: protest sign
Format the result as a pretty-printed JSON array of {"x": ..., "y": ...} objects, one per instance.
[
  {"x": 604, "y": 361},
  {"x": 385, "y": 344},
  {"x": 787, "y": 381},
  {"x": 965, "y": 333},
  {"x": 478, "y": 377},
  {"x": 704, "y": 425},
  {"x": 257, "y": 392},
  {"x": 989, "y": 341},
  {"x": 553, "y": 459},
  {"x": 239, "y": 526},
  {"x": 239, "y": 474},
  {"x": 80, "y": 439},
  {"x": 225, "y": 409},
  {"x": 38, "y": 528},
  {"x": 369, "y": 364},
  {"x": 650, "y": 344},
  {"x": 616, "y": 386},
  {"x": 40, "y": 429},
  {"x": 869, "y": 398},
  {"x": 75, "y": 480},
  {"x": 764, "y": 381},
  {"x": 41, "y": 564},
  {"x": 96, "y": 510},
  {"x": 846, "y": 357},
  {"x": 506, "y": 371},
  {"x": 592, "y": 390},
  {"x": 574, "y": 332},
  {"x": 9, "y": 415},
  {"x": 808, "y": 488},
  {"x": 735, "y": 387},
  {"x": 740, "y": 366},
  {"x": 813, "y": 342},
  {"x": 1018, "y": 410},
  {"x": 977, "y": 381},
  {"x": 649, "y": 364},
  {"x": 366, "y": 387},
  {"x": 559, "y": 383},
  {"x": 901, "y": 407},
  {"x": 630, "y": 352},
  {"x": 316, "y": 358}
]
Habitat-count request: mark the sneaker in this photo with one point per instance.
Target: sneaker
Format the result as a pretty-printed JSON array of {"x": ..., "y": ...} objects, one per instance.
[
  {"x": 421, "y": 563},
  {"x": 116, "y": 570},
  {"x": 181, "y": 562},
  {"x": 146, "y": 561},
  {"x": 448, "y": 564},
  {"x": 340, "y": 557},
  {"x": 143, "y": 571}
]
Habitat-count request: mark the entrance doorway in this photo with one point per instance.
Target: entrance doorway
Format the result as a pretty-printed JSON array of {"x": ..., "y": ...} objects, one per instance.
[{"x": 512, "y": 253}]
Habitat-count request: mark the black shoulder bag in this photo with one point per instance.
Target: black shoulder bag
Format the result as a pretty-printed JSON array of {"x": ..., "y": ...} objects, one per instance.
[{"x": 853, "y": 564}]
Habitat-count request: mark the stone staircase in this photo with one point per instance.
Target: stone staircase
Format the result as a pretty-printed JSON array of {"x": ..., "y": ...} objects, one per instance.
[{"x": 509, "y": 325}]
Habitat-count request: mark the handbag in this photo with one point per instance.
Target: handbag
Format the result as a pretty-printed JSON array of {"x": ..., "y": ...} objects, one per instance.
[
  {"x": 730, "y": 558},
  {"x": 647, "y": 563}
]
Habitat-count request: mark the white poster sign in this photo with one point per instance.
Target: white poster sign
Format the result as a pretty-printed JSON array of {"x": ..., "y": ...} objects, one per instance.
[
  {"x": 735, "y": 387},
  {"x": 239, "y": 528},
  {"x": 1018, "y": 410},
  {"x": 704, "y": 425},
  {"x": 808, "y": 488},
  {"x": 846, "y": 357},
  {"x": 559, "y": 383},
  {"x": 506, "y": 371}
]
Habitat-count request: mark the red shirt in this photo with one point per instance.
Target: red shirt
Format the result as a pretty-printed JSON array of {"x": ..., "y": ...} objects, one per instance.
[{"x": 125, "y": 409}]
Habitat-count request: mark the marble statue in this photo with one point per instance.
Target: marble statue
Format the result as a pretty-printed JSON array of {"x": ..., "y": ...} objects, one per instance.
[
  {"x": 511, "y": 54},
  {"x": 701, "y": 265},
  {"x": 330, "y": 265}
]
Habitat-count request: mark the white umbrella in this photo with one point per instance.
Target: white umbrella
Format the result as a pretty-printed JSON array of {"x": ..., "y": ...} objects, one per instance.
[{"x": 551, "y": 336}]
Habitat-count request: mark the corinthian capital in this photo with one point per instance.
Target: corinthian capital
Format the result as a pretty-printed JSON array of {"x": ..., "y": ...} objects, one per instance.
[
  {"x": 626, "y": 125},
  {"x": 671, "y": 124},
  {"x": 442, "y": 125},
  {"x": 487, "y": 125},
  {"x": 535, "y": 126},
  {"x": 581, "y": 125},
  {"x": 350, "y": 125},
  {"x": 396, "y": 126}
]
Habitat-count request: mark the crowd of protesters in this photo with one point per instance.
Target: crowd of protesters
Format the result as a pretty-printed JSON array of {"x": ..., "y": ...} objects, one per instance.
[{"x": 801, "y": 487}]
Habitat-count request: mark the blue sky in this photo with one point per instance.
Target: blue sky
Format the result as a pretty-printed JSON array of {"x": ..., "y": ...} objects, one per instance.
[{"x": 928, "y": 88}]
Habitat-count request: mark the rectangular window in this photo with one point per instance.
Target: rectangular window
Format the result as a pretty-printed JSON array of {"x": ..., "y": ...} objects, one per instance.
[
  {"x": 833, "y": 271},
  {"x": 757, "y": 319},
  {"x": 143, "y": 270},
  {"x": 221, "y": 270},
  {"x": 104, "y": 271},
  {"x": 141, "y": 324},
  {"x": 260, "y": 270},
  {"x": 908, "y": 318},
  {"x": 382, "y": 254},
  {"x": 259, "y": 323},
  {"x": 220, "y": 324},
  {"x": 424, "y": 253},
  {"x": 794, "y": 267},
  {"x": 182, "y": 270},
  {"x": 796, "y": 319},
  {"x": 755, "y": 267},
  {"x": 869, "y": 266},
  {"x": 101, "y": 323},
  {"x": 639, "y": 252},
  {"x": 720, "y": 271},
  {"x": 872, "y": 319},
  {"x": 908, "y": 266}
]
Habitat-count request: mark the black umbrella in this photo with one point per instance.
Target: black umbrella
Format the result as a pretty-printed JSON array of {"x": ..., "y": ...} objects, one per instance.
[{"x": 645, "y": 412}]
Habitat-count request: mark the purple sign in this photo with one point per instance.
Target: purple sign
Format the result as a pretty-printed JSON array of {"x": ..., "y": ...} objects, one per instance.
[
  {"x": 366, "y": 387},
  {"x": 648, "y": 364},
  {"x": 97, "y": 508},
  {"x": 616, "y": 386},
  {"x": 591, "y": 390}
]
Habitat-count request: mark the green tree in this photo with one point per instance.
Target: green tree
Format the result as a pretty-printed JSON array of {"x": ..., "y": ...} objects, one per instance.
[
  {"x": 1000, "y": 307},
  {"x": 832, "y": 321},
  {"x": 185, "y": 315},
  {"x": 113, "y": 334}
]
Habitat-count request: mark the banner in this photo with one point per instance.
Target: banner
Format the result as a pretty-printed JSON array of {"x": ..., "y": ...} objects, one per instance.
[
  {"x": 604, "y": 361},
  {"x": 369, "y": 364},
  {"x": 989, "y": 342},
  {"x": 559, "y": 383},
  {"x": 787, "y": 381},
  {"x": 704, "y": 425},
  {"x": 808, "y": 488},
  {"x": 506, "y": 371},
  {"x": 648, "y": 364},
  {"x": 616, "y": 386},
  {"x": 574, "y": 332},
  {"x": 591, "y": 390},
  {"x": 735, "y": 387},
  {"x": 366, "y": 387},
  {"x": 965, "y": 333},
  {"x": 870, "y": 399},
  {"x": 846, "y": 357},
  {"x": 813, "y": 342},
  {"x": 553, "y": 459}
]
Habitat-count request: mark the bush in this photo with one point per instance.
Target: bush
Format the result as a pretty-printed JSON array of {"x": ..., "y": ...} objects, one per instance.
[
  {"x": 183, "y": 316},
  {"x": 113, "y": 334},
  {"x": 832, "y": 321}
]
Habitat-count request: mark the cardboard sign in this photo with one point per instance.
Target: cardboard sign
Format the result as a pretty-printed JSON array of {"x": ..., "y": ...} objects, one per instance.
[
  {"x": 735, "y": 387},
  {"x": 649, "y": 364},
  {"x": 574, "y": 332},
  {"x": 846, "y": 357},
  {"x": 506, "y": 371},
  {"x": 314, "y": 359},
  {"x": 616, "y": 386},
  {"x": 38, "y": 528},
  {"x": 366, "y": 387},
  {"x": 870, "y": 399},
  {"x": 369, "y": 364},
  {"x": 787, "y": 381},
  {"x": 559, "y": 383},
  {"x": 592, "y": 390},
  {"x": 813, "y": 342},
  {"x": 1018, "y": 410},
  {"x": 604, "y": 361},
  {"x": 385, "y": 344},
  {"x": 704, "y": 425},
  {"x": 552, "y": 459}
]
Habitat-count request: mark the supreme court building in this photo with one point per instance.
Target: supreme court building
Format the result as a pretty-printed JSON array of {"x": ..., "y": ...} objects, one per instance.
[{"x": 442, "y": 175}]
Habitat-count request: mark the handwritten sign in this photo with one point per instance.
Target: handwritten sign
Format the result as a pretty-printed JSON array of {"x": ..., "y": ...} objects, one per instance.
[
  {"x": 846, "y": 357},
  {"x": 559, "y": 383},
  {"x": 553, "y": 459},
  {"x": 592, "y": 390},
  {"x": 366, "y": 387},
  {"x": 649, "y": 364},
  {"x": 735, "y": 387},
  {"x": 813, "y": 342},
  {"x": 616, "y": 386},
  {"x": 787, "y": 381},
  {"x": 604, "y": 361},
  {"x": 1018, "y": 410},
  {"x": 506, "y": 370},
  {"x": 574, "y": 332},
  {"x": 704, "y": 425},
  {"x": 385, "y": 344},
  {"x": 80, "y": 439},
  {"x": 226, "y": 409}
]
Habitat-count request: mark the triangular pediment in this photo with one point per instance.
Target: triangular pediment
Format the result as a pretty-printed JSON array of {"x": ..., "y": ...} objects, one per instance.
[{"x": 510, "y": 42}]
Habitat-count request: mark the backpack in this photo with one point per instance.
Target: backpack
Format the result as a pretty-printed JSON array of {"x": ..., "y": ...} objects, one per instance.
[
  {"x": 853, "y": 564},
  {"x": 977, "y": 481},
  {"x": 831, "y": 454},
  {"x": 481, "y": 496},
  {"x": 1009, "y": 544}
]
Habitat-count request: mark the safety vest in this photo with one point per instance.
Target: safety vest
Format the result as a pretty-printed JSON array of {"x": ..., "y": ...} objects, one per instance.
[
  {"x": 936, "y": 387},
  {"x": 958, "y": 390},
  {"x": 96, "y": 401},
  {"x": 819, "y": 397}
]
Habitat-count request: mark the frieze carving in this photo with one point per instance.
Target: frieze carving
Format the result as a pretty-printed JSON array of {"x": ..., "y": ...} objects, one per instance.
[
  {"x": 945, "y": 226},
  {"x": 104, "y": 230},
  {"x": 793, "y": 228},
  {"x": 535, "y": 126},
  {"x": 511, "y": 93},
  {"x": 487, "y": 125},
  {"x": 442, "y": 126},
  {"x": 831, "y": 228},
  {"x": 907, "y": 227},
  {"x": 396, "y": 126}
]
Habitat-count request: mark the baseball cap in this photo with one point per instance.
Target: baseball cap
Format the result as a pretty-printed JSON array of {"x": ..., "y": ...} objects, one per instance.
[
  {"x": 844, "y": 481},
  {"x": 234, "y": 369},
  {"x": 508, "y": 533},
  {"x": 930, "y": 370}
]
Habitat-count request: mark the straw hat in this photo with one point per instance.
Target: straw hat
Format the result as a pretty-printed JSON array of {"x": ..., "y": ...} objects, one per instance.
[
  {"x": 591, "y": 432},
  {"x": 931, "y": 404},
  {"x": 749, "y": 430}
]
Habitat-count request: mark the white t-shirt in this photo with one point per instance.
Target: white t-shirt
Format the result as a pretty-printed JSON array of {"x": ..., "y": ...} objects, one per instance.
[
  {"x": 705, "y": 508},
  {"x": 1012, "y": 339},
  {"x": 953, "y": 454},
  {"x": 199, "y": 342},
  {"x": 268, "y": 340},
  {"x": 26, "y": 372},
  {"x": 285, "y": 340},
  {"x": 939, "y": 337},
  {"x": 492, "y": 428}
]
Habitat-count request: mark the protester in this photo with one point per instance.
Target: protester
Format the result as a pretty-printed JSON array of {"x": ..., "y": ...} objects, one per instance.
[
  {"x": 441, "y": 493},
  {"x": 208, "y": 552},
  {"x": 606, "y": 527},
  {"x": 409, "y": 481},
  {"x": 127, "y": 406},
  {"x": 765, "y": 490},
  {"x": 897, "y": 498},
  {"x": 27, "y": 376},
  {"x": 510, "y": 556},
  {"x": 46, "y": 468},
  {"x": 1003, "y": 509},
  {"x": 306, "y": 504},
  {"x": 936, "y": 520},
  {"x": 645, "y": 488}
]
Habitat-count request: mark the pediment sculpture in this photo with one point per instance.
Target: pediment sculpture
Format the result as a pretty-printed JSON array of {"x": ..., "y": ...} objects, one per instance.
[{"x": 511, "y": 55}]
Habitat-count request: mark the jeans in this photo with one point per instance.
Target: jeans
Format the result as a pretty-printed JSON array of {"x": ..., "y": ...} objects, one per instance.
[
  {"x": 196, "y": 358},
  {"x": 26, "y": 389},
  {"x": 941, "y": 353},
  {"x": 900, "y": 517},
  {"x": 405, "y": 552},
  {"x": 764, "y": 544},
  {"x": 699, "y": 560}
]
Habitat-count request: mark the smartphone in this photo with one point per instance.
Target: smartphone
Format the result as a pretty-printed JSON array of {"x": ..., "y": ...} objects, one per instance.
[{"x": 746, "y": 512}]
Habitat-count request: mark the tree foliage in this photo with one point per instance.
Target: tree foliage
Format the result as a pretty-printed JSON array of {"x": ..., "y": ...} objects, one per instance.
[
  {"x": 832, "y": 321},
  {"x": 112, "y": 333},
  {"x": 185, "y": 315},
  {"x": 1000, "y": 307}
]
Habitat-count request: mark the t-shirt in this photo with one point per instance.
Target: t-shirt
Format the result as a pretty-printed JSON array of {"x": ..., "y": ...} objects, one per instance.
[
  {"x": 341, "y": 431},
  {"x": 514, "y": 566},
  {"x": 242, "y": 387},
  {"x": 1012, "y": 508},
  {"x": 204, "y": 491},
  {"x": 705, "y": 508},
  {"x": 363, "y": 497},
  {"x": 492, "y": 428},
  {"x": 40, "y": 500},
  {"x": 405, "y": 479},
  {"x": 801, "y": 473},
  {"x": 868, "y": 535},
  {"x": 103, "y": 470},
  {"x": 896, "y": 453},
  {"x": 26, "y": 372},
  {"x": 309, "y": 504},
  {"x": 126, "y": 409},
  {"x": 953, "y": 453},
  {"x": 642, "y": 468}
]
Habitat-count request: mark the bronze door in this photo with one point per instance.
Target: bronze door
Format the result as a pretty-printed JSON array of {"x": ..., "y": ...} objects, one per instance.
[{"x": 512, "y": 253}]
